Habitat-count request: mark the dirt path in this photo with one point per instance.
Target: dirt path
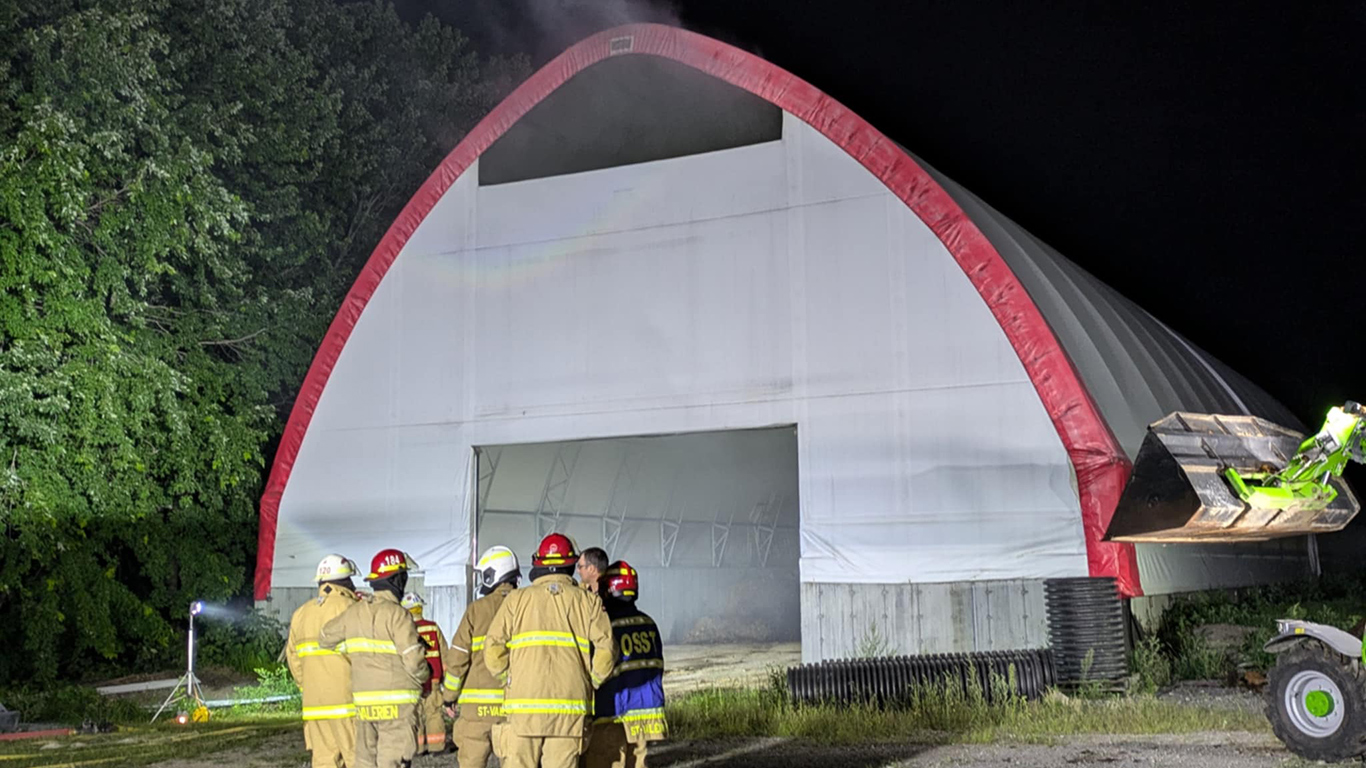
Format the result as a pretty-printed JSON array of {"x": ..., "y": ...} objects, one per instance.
[{"x": 690, "y": 667}]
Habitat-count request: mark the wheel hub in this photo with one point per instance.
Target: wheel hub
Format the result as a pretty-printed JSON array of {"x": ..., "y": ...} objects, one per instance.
[
  {"x": 1318, "y": 703},
  {"x": 1314, "y": 704}
]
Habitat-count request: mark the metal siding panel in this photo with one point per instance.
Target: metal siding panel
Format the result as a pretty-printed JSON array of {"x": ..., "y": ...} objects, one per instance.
[
  {"x": 1002, "y": 615},
  {"x": 283, "y": 601},
  {"x": 1035, "y": 615},
  {"x": 811, "y": 622}
]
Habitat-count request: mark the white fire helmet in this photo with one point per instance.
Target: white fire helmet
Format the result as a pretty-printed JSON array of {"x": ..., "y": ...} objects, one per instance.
[
  {"x": 413, "y": 602},
  {"x": 334, "y": 568},
  {"x": 495, "y": 565}
]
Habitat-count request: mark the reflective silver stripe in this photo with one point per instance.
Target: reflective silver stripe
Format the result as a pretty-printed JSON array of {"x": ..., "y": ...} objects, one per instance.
[
  {"x": 363, "y": 698},
  {"x": 627, "y": 666},
  {"x": 452, "y": 683},
  {"x": 366, "y": 645},
  {"x": 562, "y": 639},
  {"x": 482, "y": 695},
  {"x": 339, "y": 712},
  {"x": 641, "y": 714},
  {"x": 545, "y": 707},
  {"x": 313, "y": 649}
]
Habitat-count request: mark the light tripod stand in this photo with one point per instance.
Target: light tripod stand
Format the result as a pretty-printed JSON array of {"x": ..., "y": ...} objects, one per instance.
[{"x": 187, "y": 687}]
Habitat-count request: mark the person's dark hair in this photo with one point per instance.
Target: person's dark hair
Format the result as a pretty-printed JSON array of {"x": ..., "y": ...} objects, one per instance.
[{"x": 596, "y": 557}]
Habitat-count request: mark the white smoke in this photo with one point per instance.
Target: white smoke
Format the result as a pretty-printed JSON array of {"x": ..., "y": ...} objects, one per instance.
[{"x": 545, "y": 28}]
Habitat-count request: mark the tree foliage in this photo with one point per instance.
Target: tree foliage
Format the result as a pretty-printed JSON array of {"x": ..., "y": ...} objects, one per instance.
[{"x": 187, "y": 189}]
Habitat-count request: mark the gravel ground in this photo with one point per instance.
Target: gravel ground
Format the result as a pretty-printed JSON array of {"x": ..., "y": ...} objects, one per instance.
[
  {"x": 1199, "y": 750},
  {"x": 1215, "y": 696},
  {"x": 1205, "y": 750}
]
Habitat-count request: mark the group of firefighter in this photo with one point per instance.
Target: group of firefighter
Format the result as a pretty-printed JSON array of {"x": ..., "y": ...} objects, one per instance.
[{"x": 557, "y": 673}]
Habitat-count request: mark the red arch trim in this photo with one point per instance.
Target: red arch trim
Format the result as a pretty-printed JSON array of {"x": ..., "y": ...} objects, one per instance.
[{"x": 1101, "y": 466}]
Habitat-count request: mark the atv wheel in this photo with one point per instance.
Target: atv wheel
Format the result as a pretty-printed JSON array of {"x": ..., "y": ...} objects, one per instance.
[{"x": 1316, "y": 702}]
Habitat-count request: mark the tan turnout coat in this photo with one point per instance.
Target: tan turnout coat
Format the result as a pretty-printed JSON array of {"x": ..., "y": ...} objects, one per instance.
[
  {"x": 468, "y": 680},
  {"x": 324, "y": 675},
  {"x": 388, "y": 658},
  {"x": 553, "y": 643}
]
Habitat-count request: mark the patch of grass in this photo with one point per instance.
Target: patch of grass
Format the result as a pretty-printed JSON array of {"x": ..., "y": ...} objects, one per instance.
[
  {"x": 139, "y": 746},
  {"x": 1151, "y": 665},
  {"x": 940, "y": 714},
  {"x": 271, "y": 682}
]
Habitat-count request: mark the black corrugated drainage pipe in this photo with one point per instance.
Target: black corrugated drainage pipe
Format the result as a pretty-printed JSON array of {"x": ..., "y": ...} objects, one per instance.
[
  {"x": 1086, "y": 632},
  {"x": 893, "y": 680}
]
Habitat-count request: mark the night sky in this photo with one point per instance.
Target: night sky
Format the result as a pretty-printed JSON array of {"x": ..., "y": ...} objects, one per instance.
[{"x": 1202, "y": 158}]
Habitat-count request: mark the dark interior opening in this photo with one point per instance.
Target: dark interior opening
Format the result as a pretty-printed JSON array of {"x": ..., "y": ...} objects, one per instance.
[{"x": 626, "y": 110}]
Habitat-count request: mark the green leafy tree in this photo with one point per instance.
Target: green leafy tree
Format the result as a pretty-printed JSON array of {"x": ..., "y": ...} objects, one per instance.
[{"x": 187, "y": 189}]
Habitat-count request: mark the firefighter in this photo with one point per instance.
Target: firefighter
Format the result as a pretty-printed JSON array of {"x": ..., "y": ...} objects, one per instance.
[
  {"x": 629, "y": 707},
  {"x": 468, "y": 682},
  {"x": 592, "y": 562},
  {"x": 551, "y": 644},
  {"x": 388, "y": 664},
  {"x": 431, "y": 726},
  {"x": 324, "y": 676}
]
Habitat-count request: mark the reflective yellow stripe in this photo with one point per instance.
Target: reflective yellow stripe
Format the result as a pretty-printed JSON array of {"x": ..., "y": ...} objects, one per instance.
[
  {"x": 366, "y": 645},
  {"x": 362, "y": 698},
  {"x": 452, "y": 683},
  {"x": 545, "y": 706},
  {"x": 477, "y": 643},
  {"x": 481, "y": 696},
  {"x": 561, "y": 639},
  {"x": 631, "y": 621},
  {"x": 313, "y": 649},
  {"x": 641, "y": 714},
  {"x": 338, "y": 712}
]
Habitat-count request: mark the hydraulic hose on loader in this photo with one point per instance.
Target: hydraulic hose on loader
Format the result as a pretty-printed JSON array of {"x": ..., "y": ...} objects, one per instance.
[{"x": 1212, "y": 478}]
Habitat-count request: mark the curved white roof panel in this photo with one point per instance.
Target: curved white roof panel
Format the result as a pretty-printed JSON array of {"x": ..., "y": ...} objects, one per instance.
[{"x": 1135, "y": 367}]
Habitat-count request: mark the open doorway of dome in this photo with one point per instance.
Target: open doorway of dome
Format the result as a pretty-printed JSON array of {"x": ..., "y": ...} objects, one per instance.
[{"x": 710, "y": 520}]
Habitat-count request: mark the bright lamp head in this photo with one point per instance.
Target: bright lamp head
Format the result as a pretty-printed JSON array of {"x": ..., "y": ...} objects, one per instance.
[{"x": 197, "y": 607}]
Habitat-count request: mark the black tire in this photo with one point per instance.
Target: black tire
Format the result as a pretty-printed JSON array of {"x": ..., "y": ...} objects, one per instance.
[{"x": 1349, "y": 740}]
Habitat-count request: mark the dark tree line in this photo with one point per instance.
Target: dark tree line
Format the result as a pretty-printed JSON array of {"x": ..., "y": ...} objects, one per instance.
[{"x": 187, "y": 190}]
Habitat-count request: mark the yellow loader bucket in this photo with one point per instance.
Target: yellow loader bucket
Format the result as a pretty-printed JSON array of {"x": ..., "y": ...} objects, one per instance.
[{"x": 1177, "y": 491}]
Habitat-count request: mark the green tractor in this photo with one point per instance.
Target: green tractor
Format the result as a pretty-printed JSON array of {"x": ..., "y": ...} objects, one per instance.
[
  {"x": 1316, "y": 693},
  {"x": 1210, "y": 478}
]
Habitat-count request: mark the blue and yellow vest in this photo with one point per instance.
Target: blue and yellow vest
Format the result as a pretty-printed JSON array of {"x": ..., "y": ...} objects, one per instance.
[{"x": 634, "y": 694}]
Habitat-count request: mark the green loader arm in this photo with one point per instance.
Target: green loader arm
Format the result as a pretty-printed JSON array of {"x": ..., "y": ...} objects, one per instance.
[{"x": 1303, "y": 483}]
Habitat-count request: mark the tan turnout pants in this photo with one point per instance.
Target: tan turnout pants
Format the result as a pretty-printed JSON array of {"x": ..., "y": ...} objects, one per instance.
[
  {"x": 539, "y": 751},
  {"x": 608, "y": 747},
  {"x": 474, "y": 742},
  {"x": 387, "y": 743},
  {"x": 431, "y": 725},
  {"x": 331, "y": 742}
]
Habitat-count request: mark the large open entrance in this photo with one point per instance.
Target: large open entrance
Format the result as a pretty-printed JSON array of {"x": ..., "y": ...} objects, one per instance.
[{"x": 709, "y": 519}]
